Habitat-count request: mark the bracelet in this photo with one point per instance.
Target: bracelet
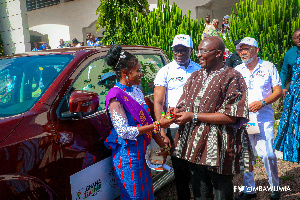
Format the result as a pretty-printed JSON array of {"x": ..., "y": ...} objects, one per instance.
[
  {"x": 166, "y": 149},
  {"x": 264, "y": 103},
  {"x": 156, "y": 127}
]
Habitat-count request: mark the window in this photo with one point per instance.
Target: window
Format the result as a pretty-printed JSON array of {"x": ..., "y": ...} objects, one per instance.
[
  {"x": 37, "y": 4},
  {"x": 98, "y": 77},
  {"x": 24, "y": 80},
  {"x": 151, "y": 64}
]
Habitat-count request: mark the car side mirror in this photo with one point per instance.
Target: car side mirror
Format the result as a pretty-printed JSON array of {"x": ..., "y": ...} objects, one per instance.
[{"x": 82, "y": 103}]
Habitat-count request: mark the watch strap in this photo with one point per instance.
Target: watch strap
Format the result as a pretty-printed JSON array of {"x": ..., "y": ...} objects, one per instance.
[
  {"x": 195, "y": 120},
  {"x": 264, "y": 103}
]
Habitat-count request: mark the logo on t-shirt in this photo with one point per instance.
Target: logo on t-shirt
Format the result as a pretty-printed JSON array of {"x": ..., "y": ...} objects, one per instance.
[
  {"x": 260, "y": 73},
  {"x": 177, "y": 79}
]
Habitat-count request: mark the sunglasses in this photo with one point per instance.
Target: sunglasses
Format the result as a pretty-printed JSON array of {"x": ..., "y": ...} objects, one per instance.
[{"x": 180, "y": 51}]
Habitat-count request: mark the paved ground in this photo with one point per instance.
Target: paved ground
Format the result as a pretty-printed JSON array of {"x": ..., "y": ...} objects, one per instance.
[{"x": 289, "y": 174}]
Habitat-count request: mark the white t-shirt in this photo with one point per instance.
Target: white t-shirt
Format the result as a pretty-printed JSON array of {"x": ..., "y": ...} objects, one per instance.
[
  {"x": 260, "y": 83},
  {"x": 173, "y": 77}
]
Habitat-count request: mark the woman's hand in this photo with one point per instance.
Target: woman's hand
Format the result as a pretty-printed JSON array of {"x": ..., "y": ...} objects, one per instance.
[
  {"x": 184, "y": 117},
  {"x": 165, "y": 123}
]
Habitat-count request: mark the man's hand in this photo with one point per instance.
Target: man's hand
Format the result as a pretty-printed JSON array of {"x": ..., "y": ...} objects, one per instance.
[
  {"x": 164, "y": 138},
  {"x": 175, "y": 110},
  {"x": 184, "y": 117},
  {"x": 284, "y": 91},
  {"x": 255, "y": 106},
  {"x": 164, "y": 153}
]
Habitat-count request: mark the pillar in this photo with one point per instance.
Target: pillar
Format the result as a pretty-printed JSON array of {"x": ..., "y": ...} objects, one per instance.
[{"x": 14, "y": 26}]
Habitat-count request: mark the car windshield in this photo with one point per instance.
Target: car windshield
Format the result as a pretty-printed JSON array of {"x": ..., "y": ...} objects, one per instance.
[{"x": 23, "y": 80}]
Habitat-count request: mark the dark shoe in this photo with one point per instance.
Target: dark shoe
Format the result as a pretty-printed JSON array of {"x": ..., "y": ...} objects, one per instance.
[
  {"x": 275, "y": 195},
  {"x": 246, "y": 196}
]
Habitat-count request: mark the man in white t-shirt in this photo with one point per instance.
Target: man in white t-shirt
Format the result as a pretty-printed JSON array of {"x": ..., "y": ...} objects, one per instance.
[
  {"x": 169, "y": 84},
  {"x": 264, "y": 88}
]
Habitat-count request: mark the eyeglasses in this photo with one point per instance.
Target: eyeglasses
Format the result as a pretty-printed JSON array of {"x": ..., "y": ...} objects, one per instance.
[
  {"x": 244, "y": 49},
  {"x": 203, "y": 51},
  {"x": 296, "y": 38},
  {"x": 180, "y": 51}
]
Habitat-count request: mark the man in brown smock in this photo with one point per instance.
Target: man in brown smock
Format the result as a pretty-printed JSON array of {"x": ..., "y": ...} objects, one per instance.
[{"x": 212, "y": 113}]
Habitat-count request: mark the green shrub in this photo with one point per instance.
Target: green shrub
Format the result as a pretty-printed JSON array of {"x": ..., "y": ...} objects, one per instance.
[
  {"x": 114, "y": 13},
  {"x": 271, "y": 24}
]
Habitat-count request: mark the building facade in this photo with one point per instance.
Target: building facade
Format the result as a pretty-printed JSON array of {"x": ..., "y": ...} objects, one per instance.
[{"x": 51, "y": 20}]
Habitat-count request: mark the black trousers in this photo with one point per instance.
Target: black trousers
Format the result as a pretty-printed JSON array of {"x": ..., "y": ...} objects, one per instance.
[
  {"x": 207, "y": 184},
  {"x": 181, "y": 171}
]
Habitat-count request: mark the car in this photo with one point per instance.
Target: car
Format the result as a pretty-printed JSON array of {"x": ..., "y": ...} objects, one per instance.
[{"x": 53, "y": 122}]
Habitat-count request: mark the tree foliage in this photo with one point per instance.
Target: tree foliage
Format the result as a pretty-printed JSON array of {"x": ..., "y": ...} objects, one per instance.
[
  {"x": 271, "y": 24},
  {"x": 158, "y": 28},
  {"x": 116, "y": 13}
]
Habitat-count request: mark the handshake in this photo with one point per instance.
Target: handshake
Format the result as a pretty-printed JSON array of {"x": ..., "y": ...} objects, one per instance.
[
  {"x": 170, "y": 114},
  {"x": 177, "y": 116}
]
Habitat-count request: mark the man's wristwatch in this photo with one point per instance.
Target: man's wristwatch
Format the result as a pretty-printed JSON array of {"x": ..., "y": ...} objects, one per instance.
[
  {"x": 264, "y": 103},
  {"x": 195, "y": 120}
]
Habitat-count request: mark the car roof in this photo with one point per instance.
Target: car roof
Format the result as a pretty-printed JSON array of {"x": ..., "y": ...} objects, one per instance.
[{"x": 72, "y": 50}]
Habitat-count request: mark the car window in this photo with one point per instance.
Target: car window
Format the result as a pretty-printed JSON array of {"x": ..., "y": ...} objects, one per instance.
[
  {"x": 98, "y": 77},
  {"x": 23, "y": 80},
  {"x": 151, "y": 64}
]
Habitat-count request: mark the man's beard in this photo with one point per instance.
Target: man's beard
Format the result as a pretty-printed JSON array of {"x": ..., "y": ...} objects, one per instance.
[
  {"x": 183, "y": 62},
  {"x": 247, "y": 61}
]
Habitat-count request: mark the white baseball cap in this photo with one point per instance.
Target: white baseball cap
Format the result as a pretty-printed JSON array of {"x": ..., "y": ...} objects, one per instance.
[
  {"x": 182, "y": 39},
  {"x": 249, "y": 41}
]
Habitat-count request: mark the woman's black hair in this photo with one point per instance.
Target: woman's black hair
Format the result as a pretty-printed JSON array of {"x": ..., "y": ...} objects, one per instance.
[{"x": 119, "y": 59}]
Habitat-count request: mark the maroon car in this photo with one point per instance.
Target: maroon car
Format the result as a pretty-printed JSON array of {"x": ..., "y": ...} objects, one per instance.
[{"x": 53, "y": 122}]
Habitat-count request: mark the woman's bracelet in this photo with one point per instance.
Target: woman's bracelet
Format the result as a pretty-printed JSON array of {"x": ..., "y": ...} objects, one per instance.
[
  {"x": 166, "y": 149},
  {"x": 156, "y": 127}
]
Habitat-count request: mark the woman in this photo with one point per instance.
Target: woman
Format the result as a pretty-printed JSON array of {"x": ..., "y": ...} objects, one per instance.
[
  {"x": 287, "y": 139},
  {"x": 132, "y": 127}
]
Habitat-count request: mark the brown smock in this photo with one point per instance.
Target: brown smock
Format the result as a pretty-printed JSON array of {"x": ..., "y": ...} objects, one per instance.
[{"x": 224, "y": 148}]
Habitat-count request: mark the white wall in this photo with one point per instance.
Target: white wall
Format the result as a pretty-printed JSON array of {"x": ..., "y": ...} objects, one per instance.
[
  {"x": 76, "y": 18},
  {"x": 55, "y": 32},
  {"x": 14, "y": 26},
  {"x": 66, "y": 20}
]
